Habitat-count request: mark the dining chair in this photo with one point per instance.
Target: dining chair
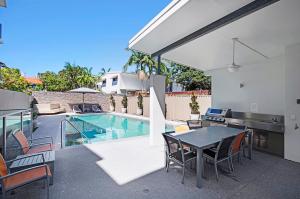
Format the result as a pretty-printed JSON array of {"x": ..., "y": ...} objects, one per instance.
[
  {"x": 194, "y": 124},
  {"x": 176, "y": 153},
  {"x": 243, "y": 144},
  {"x": 221, "y": 153},
  {"x": 181, "y": 129}
]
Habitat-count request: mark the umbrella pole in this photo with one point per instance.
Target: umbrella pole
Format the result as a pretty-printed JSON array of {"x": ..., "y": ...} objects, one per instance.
[{"x": 83, "y": 102}]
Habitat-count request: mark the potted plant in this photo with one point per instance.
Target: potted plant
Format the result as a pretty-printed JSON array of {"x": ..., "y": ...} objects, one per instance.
[
  {"x": 195, "y": 114},
  {"x": 139, "y": 104},
  {"x": 125, "y": 104},
  {"x": 112, "y": 103}
]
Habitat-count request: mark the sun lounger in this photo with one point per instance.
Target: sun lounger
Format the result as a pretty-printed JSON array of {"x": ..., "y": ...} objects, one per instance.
[
  {"x": 76, "y": 109},
  {"x": 96, "y": 109}
]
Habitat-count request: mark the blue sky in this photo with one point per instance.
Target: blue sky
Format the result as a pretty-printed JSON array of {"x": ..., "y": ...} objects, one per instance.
[{"x": 42, "y": 35}]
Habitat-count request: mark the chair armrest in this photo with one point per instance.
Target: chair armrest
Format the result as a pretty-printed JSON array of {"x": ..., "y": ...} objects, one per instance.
[
  {"x": 39, "y": 144},
  {"x": 41, "y": 138},
  {"x": 24, "y": 170},
  {"x": 27, "y": 156}
]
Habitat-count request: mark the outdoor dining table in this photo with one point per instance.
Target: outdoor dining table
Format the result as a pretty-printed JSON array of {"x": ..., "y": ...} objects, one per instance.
[{"x": 205, "y": 138}]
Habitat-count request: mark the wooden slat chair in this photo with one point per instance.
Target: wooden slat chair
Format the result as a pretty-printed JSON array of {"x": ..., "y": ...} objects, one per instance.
[
  {"x": 29, "y": 147},
  {"x": 181, "y": 129},
  {"x": 12, "y": 181}
]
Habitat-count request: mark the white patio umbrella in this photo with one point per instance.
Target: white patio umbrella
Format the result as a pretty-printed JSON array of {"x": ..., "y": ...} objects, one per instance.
[{"x": 83, "y": 90}]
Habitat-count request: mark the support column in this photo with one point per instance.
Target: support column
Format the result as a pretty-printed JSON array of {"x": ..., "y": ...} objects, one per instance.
[{"x": 157, "y": 109}]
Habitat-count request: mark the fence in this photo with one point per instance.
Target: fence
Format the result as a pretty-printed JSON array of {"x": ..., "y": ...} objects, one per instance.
[{"x": 177, "y": 106}]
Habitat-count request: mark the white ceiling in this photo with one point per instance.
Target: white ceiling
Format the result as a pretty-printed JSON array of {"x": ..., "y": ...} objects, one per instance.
[{"x": 268, "y": 30}]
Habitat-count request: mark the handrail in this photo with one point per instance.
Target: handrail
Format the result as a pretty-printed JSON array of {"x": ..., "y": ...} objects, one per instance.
[{"x": 61, "y": 131}]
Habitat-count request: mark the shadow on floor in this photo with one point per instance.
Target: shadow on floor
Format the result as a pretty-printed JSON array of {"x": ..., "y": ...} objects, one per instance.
[{"x": 77, "y": 175}]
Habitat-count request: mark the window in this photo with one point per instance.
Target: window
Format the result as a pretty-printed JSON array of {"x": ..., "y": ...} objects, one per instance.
[
  {"x": 103, "y": 83},
  {"x": 115, "y": 81}
]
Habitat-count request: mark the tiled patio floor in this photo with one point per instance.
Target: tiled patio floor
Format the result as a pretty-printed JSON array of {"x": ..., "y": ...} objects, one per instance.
[{"x": 88, "y": 172}]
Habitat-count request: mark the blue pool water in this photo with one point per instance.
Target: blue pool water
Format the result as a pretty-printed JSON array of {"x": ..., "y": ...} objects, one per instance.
[{"x": 102, "y": 127}]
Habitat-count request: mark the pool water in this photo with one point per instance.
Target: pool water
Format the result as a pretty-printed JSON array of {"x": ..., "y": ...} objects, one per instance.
[{"x": 101, "y": 127}]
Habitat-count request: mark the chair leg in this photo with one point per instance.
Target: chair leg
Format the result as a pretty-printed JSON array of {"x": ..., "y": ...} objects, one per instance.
[
  {"x": 47, "y": 187},
  {"x": 231, "y": 162},
  {"x": 168, "y": 165},
  {"x": 203, "y": 169},
  {"x": 240, "y": 158},
  {"x": 229, "y": 165},
  {"x": 244, "y": 153},
  {"x": 183, "y": 172},
  {"x": 216, "y": 170}
]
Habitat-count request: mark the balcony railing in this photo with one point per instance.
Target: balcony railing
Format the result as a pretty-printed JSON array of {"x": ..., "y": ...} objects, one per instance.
[{"x": 12, "y": 120}]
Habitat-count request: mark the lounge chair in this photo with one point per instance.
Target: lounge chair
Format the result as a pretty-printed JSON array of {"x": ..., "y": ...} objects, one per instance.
[
  {"x": 11, "y": 181},
  {"x": 29, "y": 147},
  {"x": 76, "y": 109},
  {"x": 96, "y": 109}
]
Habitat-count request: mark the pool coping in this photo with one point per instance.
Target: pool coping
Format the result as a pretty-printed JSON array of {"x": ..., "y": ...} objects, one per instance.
[{"x": 170, "y": 122}]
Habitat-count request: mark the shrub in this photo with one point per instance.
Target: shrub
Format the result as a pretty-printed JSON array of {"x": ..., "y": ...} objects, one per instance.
[
  {"x": 112, "y": 101},
  {"x": 194, "y": 105},
  {"x": 125, "y": 101},
  {"x": 140, "y": 101}
]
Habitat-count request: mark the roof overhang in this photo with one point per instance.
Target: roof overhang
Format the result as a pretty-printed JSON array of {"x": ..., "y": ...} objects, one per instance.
[{"x": 268, "y": 29}]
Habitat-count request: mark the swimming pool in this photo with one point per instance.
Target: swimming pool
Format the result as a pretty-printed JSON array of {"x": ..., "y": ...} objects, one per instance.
[{"x": 102, "y": 127}]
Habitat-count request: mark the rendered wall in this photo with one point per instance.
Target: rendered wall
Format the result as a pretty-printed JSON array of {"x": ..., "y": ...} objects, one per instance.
[
  {"x": 14, "y": 100},
  {"x": 177, "y": 106},
  {"x": 263, "y": 86}
]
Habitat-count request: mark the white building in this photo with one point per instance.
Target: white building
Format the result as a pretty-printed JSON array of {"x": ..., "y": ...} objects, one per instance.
[{"x": 121, "y": 83}]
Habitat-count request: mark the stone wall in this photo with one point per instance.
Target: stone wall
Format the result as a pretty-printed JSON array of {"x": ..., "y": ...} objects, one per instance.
[{"x": 66, "y": 99}]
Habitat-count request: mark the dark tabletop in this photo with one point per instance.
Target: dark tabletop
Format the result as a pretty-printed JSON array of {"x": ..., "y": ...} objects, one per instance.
[
  {"x": 204, "y": 137},
  {"x": 34, "y": 160}
]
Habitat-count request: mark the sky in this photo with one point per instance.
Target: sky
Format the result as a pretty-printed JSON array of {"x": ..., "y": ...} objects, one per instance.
[{"x": 41, "y": 35}]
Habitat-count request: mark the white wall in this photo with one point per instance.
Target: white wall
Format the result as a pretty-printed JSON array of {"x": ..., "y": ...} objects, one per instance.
[
  {"x": 157, "y": 109},
  {"x": 126, "y": 81},
  {"x": 292, "y": 109},
  {"x": 109, "y": 88},
  {"x": 263, "y": 86},
  {"x": 14, "y": 100},
  {"x": 131, "y": 82}
]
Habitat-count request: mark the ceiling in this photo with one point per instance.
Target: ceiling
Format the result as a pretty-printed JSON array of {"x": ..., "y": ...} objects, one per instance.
[{"x": 268, "y": 30}]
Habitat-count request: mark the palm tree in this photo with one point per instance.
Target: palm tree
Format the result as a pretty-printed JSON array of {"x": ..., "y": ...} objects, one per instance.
[
  {"x": 135, "y": 59},
  {"x": 103, "y": 71}
]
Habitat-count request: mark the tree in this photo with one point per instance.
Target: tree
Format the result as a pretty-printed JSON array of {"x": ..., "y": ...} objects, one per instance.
[
  {"x": 11, "y": 79},
  {"x": 51, "y": 81},
  {"x": 71, "y": 77},
  {"x": 191, "y": 79},
  {"x": 142, "y": 62},
  {"x": 103, "y": 71}
]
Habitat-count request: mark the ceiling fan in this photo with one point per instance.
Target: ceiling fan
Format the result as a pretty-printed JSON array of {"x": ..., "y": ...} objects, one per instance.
[{"x": 235, "y": 67}]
